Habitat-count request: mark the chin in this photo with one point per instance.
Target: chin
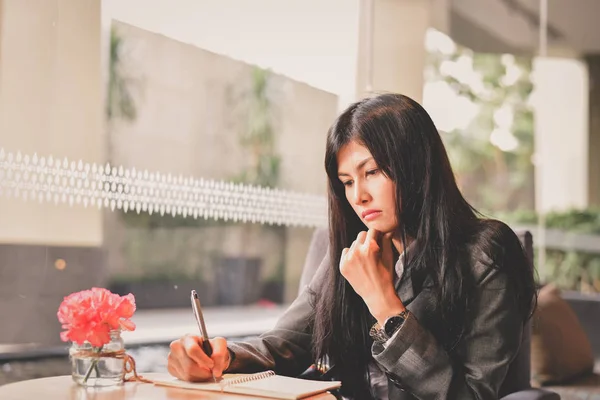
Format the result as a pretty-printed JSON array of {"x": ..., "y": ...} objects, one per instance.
[{"x": 382, "y": 227}]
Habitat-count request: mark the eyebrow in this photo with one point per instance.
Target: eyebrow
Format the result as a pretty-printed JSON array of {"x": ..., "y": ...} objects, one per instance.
[{"x": 358, "y": 167}]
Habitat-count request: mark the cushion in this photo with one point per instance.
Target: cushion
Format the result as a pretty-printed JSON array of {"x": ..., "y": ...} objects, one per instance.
[{"x": 560, "y": 349}]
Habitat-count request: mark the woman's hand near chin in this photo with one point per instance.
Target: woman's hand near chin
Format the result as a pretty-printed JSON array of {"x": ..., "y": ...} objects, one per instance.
[{"x": 369, "y": 268}]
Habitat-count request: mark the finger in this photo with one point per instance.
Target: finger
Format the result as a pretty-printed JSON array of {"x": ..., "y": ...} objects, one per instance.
[
  {"x": 372, "y": 239},
  {"x": 353, "y": 247},
  {"x": 220, "y": 355},
  {"x": 187, "y": 370},
  {"x": 360, "y": 238},
  {"x": 193, "y": 349},
  {"x": 371, "y": 235},
  {"x": 177, "y": 350},
  {"x": 173, "y": 366},
  {"x": 181, "y": 365},
  {"x": 374, "y": 235},
  {"x": 192, "y": 371},
  {"x": 344, "y": 252},
  {"x": 343, "y": 265}
]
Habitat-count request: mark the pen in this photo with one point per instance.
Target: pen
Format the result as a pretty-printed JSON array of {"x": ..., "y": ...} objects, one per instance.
[{"x": 200, "y": 320}]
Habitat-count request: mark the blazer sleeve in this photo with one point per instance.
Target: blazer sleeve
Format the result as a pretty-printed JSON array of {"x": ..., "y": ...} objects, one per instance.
[
  {"x": 286, "y": 348},
  {"x": 419, "y": 364}
]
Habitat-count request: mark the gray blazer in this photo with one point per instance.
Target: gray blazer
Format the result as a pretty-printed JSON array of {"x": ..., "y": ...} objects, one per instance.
[{"x": 493, "y": 362}]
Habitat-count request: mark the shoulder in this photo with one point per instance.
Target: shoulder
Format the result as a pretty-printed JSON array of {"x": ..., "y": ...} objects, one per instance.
[{"x": 492, "y": 248}]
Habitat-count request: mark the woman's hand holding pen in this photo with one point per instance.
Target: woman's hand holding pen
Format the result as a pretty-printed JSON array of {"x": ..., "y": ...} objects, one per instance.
[
  {"x": 187, "y": 361},
  {"x": 369, "y": 268}
]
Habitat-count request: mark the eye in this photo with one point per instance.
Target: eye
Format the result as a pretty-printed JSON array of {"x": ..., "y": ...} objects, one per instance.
[
  {"x": 347, "y": 183},
  {"x": 372, "y": 171}
]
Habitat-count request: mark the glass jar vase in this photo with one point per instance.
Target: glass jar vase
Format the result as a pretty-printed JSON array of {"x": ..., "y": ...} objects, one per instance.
[{"x": 98, "y": 367}]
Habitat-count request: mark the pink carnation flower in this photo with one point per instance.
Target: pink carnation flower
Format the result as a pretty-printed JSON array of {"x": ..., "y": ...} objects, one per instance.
[{"x": 90, "y": 315}]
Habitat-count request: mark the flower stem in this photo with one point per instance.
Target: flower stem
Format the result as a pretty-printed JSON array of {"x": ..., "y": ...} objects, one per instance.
[{"x": 93, "y": 366}]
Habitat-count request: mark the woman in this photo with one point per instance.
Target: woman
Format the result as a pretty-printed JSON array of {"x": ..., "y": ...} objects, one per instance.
[{"x": 418, "y": 296}]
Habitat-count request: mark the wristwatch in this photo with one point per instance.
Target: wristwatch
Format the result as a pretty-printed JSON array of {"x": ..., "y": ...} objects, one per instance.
[{"x": 390, "y": 326}]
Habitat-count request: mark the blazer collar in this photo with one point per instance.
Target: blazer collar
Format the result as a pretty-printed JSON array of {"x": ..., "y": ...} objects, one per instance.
[
  {"x": 405, "y": 289},
  {"x": 404, "y": 285}
]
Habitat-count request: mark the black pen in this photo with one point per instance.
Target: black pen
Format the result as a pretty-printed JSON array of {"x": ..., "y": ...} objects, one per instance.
[{"x": 200, "y": 320}]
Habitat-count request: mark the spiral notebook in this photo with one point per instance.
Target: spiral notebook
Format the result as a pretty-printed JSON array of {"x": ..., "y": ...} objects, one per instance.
[{"x": 262, "y": 384}]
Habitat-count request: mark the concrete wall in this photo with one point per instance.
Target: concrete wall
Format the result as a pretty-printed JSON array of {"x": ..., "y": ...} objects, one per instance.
[
  {"x": 191, "y": 110},
  {"x": 310, "y": 41}
]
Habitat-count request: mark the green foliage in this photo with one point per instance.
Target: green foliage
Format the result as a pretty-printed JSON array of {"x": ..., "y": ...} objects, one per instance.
[
  {"x": 490, "y": 177},
  {"x": 528, "y": 217},
  {"x": 581, "y": 221},
  {"x": 258, "y": 134},
  {"x": 577, "y": 221},
  {"x": 575, "y": 270},
  {"x": 257, "y": 137},
  {"x": 120, "y": 103}
]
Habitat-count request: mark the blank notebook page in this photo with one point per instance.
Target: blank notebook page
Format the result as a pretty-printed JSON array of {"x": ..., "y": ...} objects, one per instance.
[
  {"x": 279, "y": 387},
  {"x": 283, "y": 387}
]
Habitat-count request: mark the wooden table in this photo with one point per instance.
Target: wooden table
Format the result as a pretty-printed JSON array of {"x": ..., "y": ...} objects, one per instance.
[{"x": 63, "y": 388}]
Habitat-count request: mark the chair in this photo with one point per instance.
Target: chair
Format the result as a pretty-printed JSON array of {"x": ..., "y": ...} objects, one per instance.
[{"x": 316, "y": 252}]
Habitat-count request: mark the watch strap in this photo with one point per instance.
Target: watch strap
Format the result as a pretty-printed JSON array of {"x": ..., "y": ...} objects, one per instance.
[{"x": 379, "y": 334}]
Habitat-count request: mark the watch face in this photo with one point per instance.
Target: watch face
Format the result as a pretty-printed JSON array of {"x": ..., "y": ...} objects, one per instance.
[{"x": 392, "y": 324}]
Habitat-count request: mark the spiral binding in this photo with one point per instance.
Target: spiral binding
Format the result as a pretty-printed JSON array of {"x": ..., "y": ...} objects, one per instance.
[{"x": 246, "y": 378}]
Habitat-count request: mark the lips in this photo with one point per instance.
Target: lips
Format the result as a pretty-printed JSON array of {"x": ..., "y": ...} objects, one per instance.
[{"x": 370, "y": 214}]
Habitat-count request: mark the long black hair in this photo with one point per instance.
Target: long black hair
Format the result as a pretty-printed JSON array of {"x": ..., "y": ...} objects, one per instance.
[{"x": 408, "y": 149}]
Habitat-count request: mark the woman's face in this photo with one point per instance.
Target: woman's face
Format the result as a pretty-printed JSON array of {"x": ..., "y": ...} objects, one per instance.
[{"x": 371, "y": 194}]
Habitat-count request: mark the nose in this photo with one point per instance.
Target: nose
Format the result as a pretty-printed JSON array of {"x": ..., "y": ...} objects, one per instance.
[{"x": 361, "y": 194}]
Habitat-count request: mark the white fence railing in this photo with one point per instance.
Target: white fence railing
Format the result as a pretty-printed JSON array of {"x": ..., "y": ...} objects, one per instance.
[{"x": 563, "y": 240}]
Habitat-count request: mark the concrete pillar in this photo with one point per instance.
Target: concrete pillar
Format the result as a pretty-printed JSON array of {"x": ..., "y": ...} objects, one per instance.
[
  {"x": 391, "y": 56},
  {"x": 593, "y": 62},
  {"x": 1, "y": 17},
  {"x": 561, "y": 133},
  {"x": 51, "y": 104}
]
